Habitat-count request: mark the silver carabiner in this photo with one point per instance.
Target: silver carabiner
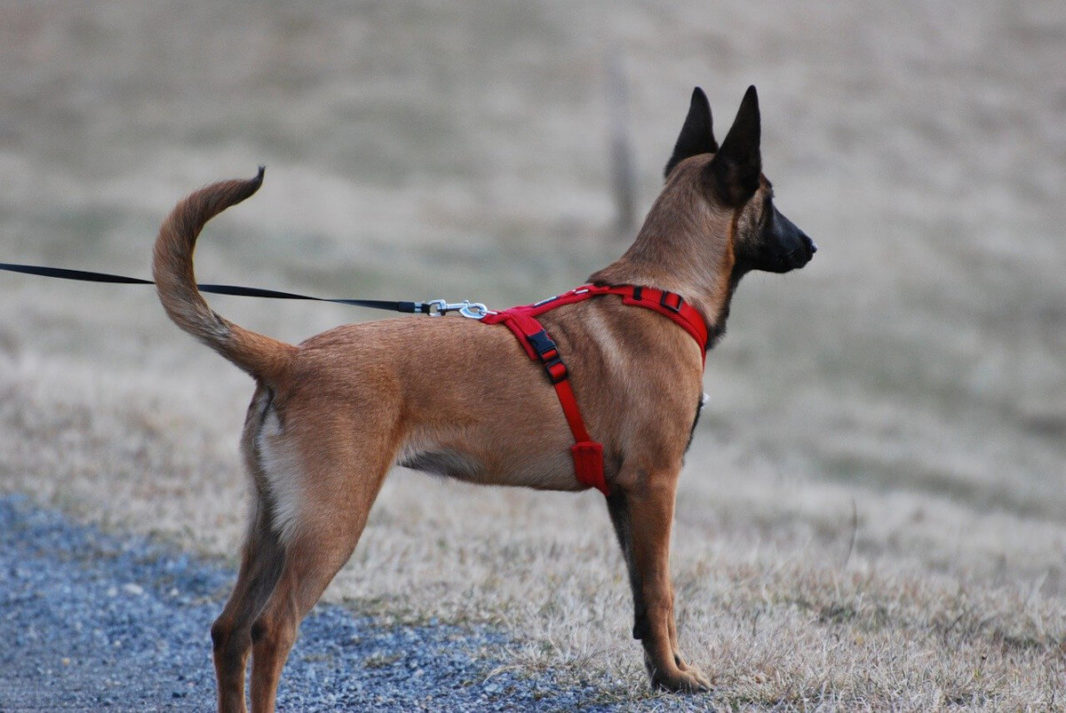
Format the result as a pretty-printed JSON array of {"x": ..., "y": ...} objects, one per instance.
[{"x": 471, "y": 310}]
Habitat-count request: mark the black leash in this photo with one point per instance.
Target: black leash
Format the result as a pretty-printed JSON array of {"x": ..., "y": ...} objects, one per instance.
[{"x": 432, "y": 307}]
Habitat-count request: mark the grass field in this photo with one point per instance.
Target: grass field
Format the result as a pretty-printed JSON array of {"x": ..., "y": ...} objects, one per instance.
[{"x": 873, "y": 514}]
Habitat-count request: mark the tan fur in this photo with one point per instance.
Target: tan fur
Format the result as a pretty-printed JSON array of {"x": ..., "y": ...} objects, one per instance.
[{"x": 332, "y": 415}]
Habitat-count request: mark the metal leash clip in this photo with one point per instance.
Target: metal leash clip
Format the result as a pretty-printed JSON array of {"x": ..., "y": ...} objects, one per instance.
[{"x": 471, "y": 310}]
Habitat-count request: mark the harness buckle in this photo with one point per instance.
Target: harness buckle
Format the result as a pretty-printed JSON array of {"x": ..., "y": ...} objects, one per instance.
[
  {"x": 544, "y": 346},
  {"x": 548, "y": 353}
]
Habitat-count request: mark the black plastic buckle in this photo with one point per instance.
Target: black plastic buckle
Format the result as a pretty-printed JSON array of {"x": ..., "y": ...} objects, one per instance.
[
  {"x": 676, "y": 309},
  {"x": 548, "y": 353},
  {"x": 543, "y": 345}
]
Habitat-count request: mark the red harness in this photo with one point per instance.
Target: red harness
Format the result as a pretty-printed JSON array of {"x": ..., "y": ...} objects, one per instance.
[{"x": 588, "y": 454}]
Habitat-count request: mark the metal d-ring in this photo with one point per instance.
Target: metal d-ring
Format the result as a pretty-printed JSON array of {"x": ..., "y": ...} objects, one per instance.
[{"x": 473, "y": 310}]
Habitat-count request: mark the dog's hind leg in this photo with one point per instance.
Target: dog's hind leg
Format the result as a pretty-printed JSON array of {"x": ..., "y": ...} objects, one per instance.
[
  {"x": 231, "y": 633},
  {"x": 642, "y": 518},
  {"x": 261, "y": 560},
  {"x": 311, "y": 561},
  {"x": 341, "y": 482}
]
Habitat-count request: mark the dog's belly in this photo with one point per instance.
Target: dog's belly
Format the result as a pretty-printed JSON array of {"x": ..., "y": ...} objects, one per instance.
[
  {"x": 543, "y": 472},
  {"x": 444, "y": 461}
]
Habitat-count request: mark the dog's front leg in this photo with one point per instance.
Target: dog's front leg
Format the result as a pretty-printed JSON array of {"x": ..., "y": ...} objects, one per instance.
[{"x": 642, "y": 519}]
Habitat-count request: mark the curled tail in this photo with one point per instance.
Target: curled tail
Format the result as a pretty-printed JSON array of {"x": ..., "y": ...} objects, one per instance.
[{"x": 262, "y": 357}]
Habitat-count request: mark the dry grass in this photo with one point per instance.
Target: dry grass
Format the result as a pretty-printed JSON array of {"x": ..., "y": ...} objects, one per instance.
[{"x": 873, "y": 514}]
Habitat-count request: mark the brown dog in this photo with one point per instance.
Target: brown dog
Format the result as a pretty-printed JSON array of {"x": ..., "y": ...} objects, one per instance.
[{"x": 331, "y": 416}]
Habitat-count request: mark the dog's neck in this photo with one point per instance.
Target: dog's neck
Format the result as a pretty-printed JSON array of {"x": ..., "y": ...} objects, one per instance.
[{"x": 685, "y": 246}]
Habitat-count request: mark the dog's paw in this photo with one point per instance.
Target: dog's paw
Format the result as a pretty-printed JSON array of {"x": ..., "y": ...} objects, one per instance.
[{"x": 690, "y": 680}]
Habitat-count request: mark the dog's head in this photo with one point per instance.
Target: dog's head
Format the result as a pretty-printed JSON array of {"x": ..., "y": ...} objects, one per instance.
[{"x": 731, "y": 177}]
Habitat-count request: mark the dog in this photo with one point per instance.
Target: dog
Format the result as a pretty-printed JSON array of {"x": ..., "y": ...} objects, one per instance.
[{"x": 331, "y": 416}]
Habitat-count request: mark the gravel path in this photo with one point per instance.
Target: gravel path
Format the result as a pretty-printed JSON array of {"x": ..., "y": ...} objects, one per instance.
[{"x": 91, "y": 621}]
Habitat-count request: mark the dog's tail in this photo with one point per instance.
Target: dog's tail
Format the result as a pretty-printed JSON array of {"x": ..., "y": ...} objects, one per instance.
[{"x": 262, "y": 357}]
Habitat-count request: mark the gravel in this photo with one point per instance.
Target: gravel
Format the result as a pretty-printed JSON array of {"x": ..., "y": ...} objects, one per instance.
[{"x": 91, "y": 621}]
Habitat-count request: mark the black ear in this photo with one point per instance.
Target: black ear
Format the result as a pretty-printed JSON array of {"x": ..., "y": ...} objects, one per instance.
[
  {"x": 696, "y": 135},
  {"x": 737, "y": 166}
]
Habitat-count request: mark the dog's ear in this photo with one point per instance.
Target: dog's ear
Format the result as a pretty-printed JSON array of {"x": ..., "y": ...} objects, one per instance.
[
  {"x": 734, "y": 173},
  {"x": 696, "y": 135}
]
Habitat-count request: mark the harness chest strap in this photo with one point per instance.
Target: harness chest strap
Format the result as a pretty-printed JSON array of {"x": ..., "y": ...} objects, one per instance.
[{"x": 522, "y": 321}]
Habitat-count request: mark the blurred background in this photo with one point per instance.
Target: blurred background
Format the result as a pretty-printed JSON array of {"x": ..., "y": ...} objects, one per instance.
[{"x": 913, "y": 373}]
